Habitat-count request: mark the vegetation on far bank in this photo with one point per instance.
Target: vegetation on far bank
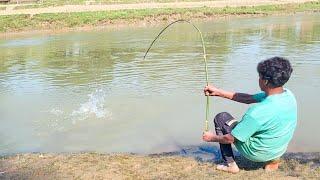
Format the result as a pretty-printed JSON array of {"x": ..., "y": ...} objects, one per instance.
[
  {"x": 129, "y": 166},
  {"x": 13, "y": 23}
]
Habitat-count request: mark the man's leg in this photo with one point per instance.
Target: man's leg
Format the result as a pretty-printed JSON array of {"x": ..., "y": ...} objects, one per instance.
[
  {"x": 224, "y": 123},
  {"x": 221, "y": 129}
]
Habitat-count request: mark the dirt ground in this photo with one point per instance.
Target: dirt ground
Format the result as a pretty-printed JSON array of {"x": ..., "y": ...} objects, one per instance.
[
  {"x": 88, "y": 8},
  {"x": 130, "y": 166}
]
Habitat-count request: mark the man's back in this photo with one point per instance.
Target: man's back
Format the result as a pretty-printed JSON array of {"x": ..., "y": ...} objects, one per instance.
[{"x": 267, "y": 127}]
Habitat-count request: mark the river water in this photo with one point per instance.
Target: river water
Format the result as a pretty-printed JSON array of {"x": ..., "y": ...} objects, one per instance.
[{"x": 91, "y": 91}]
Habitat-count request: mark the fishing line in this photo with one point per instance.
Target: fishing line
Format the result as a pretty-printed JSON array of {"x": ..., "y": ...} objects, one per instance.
[{"x": 204, "y": 58}]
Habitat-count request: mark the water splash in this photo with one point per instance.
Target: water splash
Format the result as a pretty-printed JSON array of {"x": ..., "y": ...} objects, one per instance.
[
  {"x": 56, "y": 112},
  {"x": 93, "y": 107}
]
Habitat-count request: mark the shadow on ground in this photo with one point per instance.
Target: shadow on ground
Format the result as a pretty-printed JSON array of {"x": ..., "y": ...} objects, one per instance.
[{"x": 207, "y": 153}]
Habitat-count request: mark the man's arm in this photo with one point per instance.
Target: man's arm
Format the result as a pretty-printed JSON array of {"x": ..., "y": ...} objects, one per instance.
[
  {"x": 238, "y": 97},
  {"x": 224, "y": 139},
  {"x": 244, "y": 98}
]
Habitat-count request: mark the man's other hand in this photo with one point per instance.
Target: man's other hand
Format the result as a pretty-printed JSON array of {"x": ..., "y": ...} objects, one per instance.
[{"x": 211, "y": 90}]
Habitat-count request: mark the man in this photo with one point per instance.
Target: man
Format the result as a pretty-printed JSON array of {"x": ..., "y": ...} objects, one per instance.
[{"x": 266, "y": 128}]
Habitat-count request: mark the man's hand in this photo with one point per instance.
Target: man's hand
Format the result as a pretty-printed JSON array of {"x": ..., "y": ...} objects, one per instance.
[
  {"x": 211, "y": 90},
  {"x": 208, "y": 136}
]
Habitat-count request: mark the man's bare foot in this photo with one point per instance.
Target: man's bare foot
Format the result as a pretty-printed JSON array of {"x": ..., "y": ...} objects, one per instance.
[
  {"x": 272, "y": 165},
  {"x": 230, "y": 167}
]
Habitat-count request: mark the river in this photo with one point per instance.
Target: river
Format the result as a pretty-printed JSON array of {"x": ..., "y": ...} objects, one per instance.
[{"x": 92, "y": 91}]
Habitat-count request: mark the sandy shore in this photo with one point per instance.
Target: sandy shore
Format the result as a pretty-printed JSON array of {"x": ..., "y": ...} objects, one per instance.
[{"x": 175, "y": 5}]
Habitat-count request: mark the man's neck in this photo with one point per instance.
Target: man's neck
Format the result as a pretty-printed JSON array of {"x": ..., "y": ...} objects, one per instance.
[{"x": 273, "y": 91}]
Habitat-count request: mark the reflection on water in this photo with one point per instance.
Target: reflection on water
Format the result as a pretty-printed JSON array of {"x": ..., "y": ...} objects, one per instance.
[{"x": 91, "y": 91}]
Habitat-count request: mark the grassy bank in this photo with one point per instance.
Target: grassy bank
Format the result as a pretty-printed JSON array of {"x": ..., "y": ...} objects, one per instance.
[
  {"x": 13, "y": 23},
  {"x": 125, "y": 166}
]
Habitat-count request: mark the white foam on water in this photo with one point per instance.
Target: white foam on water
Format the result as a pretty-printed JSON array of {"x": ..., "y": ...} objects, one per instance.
[
  {"x": 95, "y": 106},
  {"x": 56, "y": 112}
]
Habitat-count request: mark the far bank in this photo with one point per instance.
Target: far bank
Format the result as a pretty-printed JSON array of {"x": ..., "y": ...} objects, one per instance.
[{"x": 89, "y": 20}]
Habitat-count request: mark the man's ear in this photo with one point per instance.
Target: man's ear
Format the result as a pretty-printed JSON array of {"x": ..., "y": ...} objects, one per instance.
[{"x": 266, "y": 82}]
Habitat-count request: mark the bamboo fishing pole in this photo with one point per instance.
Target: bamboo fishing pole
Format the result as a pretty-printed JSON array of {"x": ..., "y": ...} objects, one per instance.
[{"x": 206, "y": 128}]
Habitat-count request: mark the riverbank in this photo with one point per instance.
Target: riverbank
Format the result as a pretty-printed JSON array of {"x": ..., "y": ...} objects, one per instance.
[
  {"x": 160, "y": 166},
  {"x": 70, "y": 8},
  {"x": 88, "y": 20}
]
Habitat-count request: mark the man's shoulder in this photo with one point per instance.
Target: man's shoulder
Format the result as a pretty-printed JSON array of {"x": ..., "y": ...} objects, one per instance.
[
  {"x": 271, "y": 106},
  {"x": 286, "y": 101},
  {"x": 257, "y": 108},
  {"x": 290, "y": 94},
  {"x": 261, "y": 111}
]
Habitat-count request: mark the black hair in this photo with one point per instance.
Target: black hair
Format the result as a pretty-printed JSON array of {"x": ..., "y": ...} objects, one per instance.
[{"x": 276, "y": 70}]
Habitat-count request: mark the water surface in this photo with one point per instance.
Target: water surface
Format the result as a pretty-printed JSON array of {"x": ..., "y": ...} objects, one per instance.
[{"x": 91, "y": 91}]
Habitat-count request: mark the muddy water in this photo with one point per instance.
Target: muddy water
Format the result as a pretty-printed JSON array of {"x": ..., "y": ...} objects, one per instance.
[{"x": 91, "y": 91}]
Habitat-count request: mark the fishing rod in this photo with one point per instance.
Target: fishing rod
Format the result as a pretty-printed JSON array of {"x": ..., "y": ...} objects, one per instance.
[{"x": 204, "y": 58}]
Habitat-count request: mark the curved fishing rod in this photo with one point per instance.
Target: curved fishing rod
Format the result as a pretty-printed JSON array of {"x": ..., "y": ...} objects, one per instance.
[{"x": 204, "y": 58}]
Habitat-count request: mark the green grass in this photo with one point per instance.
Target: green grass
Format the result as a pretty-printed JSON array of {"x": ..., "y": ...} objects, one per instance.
[{"x": 69, "y": 20}]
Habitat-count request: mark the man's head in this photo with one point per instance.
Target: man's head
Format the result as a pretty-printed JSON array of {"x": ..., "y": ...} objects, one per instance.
[{"x": 273, "y": 72}]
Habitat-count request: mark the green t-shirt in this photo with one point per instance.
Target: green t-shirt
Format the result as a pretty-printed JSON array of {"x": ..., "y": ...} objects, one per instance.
[{"x": 265, "y": 130}]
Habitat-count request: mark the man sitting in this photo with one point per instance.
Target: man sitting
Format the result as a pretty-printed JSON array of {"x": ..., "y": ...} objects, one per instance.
[{"x": 266, "y": 128}]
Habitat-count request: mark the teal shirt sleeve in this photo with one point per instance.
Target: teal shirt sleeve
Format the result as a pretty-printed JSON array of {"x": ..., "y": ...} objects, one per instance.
[
  {"x": 260, "y": 96},
  {"x": 246, "y": 128}
]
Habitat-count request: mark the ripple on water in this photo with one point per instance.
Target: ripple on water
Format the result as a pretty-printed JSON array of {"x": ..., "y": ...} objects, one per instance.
[{"x": 25, "y": 42}]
